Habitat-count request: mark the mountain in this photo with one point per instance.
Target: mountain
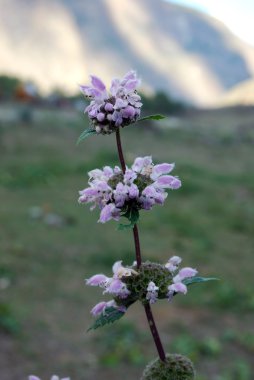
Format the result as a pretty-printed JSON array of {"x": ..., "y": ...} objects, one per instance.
[
  {"x": 242, "y": 93},
  {"x": 58, "y": 43}
]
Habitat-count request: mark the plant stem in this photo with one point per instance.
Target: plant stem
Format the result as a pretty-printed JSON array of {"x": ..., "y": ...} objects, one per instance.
[
  {"x": 137, "y": 245},
  {"x": 148, "y": 310},
  {"x": 120, "y": 150},
  {"x": 154, "y": 331}
]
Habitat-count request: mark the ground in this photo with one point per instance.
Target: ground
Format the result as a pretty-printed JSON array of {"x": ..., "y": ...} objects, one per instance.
[{"x": 49, "y": 244}]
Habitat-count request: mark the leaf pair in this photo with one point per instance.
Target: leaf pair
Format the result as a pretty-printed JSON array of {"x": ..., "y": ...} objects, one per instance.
[
  {"x": 90, "y": 131},
  {"x": 132, "y": 214}
]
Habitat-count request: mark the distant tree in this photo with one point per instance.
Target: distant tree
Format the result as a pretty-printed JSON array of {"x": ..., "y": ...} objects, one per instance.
[
  {"x": 160, "y": 102},
  {"x": 8, "y": 86}
]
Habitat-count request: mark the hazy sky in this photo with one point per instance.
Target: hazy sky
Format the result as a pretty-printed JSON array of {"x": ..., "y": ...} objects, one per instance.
[{"x": 238, "y": 15}]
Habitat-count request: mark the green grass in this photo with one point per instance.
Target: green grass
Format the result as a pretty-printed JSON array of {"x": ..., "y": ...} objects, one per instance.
[{"x": 209, "y": 222}]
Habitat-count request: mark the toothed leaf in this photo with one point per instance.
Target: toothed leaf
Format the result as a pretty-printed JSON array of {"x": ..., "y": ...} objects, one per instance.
[
  {"x": 110, "y": 315},
  {"x": 86, "y": 133},
  {"x": 194, "y": 280},
  {"x": 152, "y": 117}
]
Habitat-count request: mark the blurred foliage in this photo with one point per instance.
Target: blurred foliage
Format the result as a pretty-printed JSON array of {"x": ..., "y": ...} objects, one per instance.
[
  {"x": 122, "y": 344},
  {"x": 8, "y": 86},
  {"x": 160, "y": 102},
  {"x": 8, "y": 322}
]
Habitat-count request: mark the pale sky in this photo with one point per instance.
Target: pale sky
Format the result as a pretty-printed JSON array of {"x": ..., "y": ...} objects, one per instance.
[{"x": 237, "y": 15}]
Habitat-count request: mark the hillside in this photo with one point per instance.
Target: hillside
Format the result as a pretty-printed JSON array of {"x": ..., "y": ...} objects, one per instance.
[
  {"x": 59, "y": 43},
  {"x": 242, "y": 93}
]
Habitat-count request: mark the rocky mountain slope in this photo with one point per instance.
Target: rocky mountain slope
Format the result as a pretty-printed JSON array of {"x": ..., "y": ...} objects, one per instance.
[{"x": 58, "y": 43}]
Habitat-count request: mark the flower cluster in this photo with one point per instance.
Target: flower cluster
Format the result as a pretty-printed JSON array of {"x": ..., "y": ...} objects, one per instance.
[
  {"x": 140, "y": 187},
  {"x": 112, "y": 285},
  {"x": 148, "y": 283},
  {"x": 120, "y": 107}
]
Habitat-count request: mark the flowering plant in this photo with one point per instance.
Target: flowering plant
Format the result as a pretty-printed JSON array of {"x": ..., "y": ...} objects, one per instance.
[{"x": 123, "y": 192}]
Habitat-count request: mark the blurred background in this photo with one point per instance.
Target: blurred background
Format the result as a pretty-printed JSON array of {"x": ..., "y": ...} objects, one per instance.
[{"x": 196, "y": 61}]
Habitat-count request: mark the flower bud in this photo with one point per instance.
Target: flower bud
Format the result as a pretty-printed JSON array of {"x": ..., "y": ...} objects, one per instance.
[{"x": 175, "y": 367}]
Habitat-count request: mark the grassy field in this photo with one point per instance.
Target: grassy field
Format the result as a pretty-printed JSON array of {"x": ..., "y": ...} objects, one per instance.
[{"x": 49, "y": 244}]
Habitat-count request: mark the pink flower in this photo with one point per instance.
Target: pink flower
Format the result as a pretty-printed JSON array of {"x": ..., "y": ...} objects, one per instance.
[
  {"x": 168, "y": 182},
  {"x": 133, "y": 191},
  {"x": 109, "y": 212},
  {"x": 99, "y": 308},
  {"x": 185, "y": 273},
  {"x": 141, "y": 164},
  {"x": 120, "y": 194},
  {"x": 152, "y": 292},
  {"x": 129, "y": 176},
  {"x": 178, "y": 287},
  {"x": 120, "y": 271},
  {"x": 97, "y": 280},
  {"x": 118, "y": 288},
  {"x": 161, "y": 169},
  {"x": 173, "y": 263}
]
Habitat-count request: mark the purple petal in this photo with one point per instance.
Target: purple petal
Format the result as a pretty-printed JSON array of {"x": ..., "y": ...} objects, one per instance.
[
  {"x": 108, "y": 171},
  {"x": 117, "y": 266},
  {"x": 115, "y": 286},
  {"x": 131, "y": 84},
  {"x": 128, "y": 112},
  {"x": 149, "y": 191},
  {"x": 108, "y": 107},
  {"x": 114, "y": 86},
  {"x": 99, "y": 308},
  {"x": 32, "y": 377},
  {"x": 96, "y": 173},
  {"x": 97, "y": 83},
  {"x": 168, "y": 181},
  {"x": 187, "y": 272},
  {"x": 100, "y": 116},
  {"x": 178, "y": 288},
  {"x": 130, "y": 75},
  {"x": 140, "y": 162},
  {"x": 97, "y": 280},
  {"x": 161, "y": 169},
  {"x": 90, "y": 91},
  {"x": 133, "y": 191},
  {"x": 120, "y": 103},
  {"x": 108, "y": 212},
  {"x": 129, "y": 176},
  {"x": 176, "y": 260},
  {"x": 147, "y": 203}
]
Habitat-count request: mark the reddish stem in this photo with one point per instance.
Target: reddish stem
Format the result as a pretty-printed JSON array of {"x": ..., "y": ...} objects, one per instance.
[
  {"x": 120, "y": 150},
  {"x": 137, "y": 245},
  {"x": 154, "y": 331},
  {"x": 147, "y": 306}
]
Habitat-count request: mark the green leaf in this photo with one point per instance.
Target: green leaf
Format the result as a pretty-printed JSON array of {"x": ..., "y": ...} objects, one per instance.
[
  {"x": 122, "y": 227},
  {"x": 194, "y": 280},
  {"x": 110, "y": 315},
  {"x": 86, "y": 133},
  {"x": 152, "y": 117},
  {"x": 132, "y": 214}
]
